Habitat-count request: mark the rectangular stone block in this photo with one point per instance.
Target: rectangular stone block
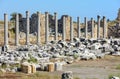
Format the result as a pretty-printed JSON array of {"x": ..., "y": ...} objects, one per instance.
[
  {"x": 51, "y": 67},
  {"x": 26, "y": 68},
  {"x": 33, "y": 68}
]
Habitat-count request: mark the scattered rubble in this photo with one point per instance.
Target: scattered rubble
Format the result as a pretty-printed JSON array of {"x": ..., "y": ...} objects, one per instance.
[{"x": 64, "y": 52}]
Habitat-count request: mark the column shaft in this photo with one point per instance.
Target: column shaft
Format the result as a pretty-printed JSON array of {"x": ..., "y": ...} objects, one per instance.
[
  {"x": 86, "y": 28},
  {"x": 5, "y": 29},
  {"x": 71, "y": 29},
  {"x": 104, "y": 27},
  {"x": 56, "y": 26},
  {"x": 46, "y": 27},
  {"x": 78, "y": 27},
  {"x": 17, "y": 30},
  {"x": 64, "y": 29},
  {"x": 98, "y": 26},
  {"x": 92, "y": 28},
  {"x": 27, "y": 27},
  {"x": 38, "y": 28}
]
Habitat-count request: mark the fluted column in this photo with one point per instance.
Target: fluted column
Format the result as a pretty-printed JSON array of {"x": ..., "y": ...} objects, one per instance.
[
  {"x": 104, "y": 27},
  {"x": 27, "y": 27},
  {"x": 78, "y": 27},
  {"x": 56, "y": 27},
  {"x": 17, "y": 30},
  {"x": 46, "y": 27},
  {"x": 98, "y": 26},
  {"x": 5, "y": 29},
  {"x": 92, "y": 28},
  {"x": 38, "y": 28},
  {"x": 71, "y": 29},
  {"x": 86, "y": 28},
  {"x": 64, "y": 30}
]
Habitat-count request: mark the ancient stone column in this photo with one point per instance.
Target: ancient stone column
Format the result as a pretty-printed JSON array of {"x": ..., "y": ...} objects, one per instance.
[
  {"x": 86, "y": 28},
  {"x": 92, "y": 28},
  {"x": 38, "y": 28},
  {"x": 64, "y": 30},
  {"x": 104, "y": 27},
  {"x": 56, "y": 27},
  {"x": 46, "y": 27},
  {"x": 78, "y": 27},
  {"x": 5, "y": 29},
  {"x": 71, "y": 30},
  {"x": 17, "y": 30},
  {"x": 98, "y": 26},
  {"x": 27, "y": 27}
]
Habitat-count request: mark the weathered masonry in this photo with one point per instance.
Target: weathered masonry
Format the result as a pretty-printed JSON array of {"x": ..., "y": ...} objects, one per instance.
[{"x": 37, "y": 20}]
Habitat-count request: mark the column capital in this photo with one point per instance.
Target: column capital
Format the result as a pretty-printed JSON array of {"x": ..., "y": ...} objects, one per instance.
[
  {"x": 38, "y": 12},
  {"x": 98, "y": 16},
  {"x": 46, "y": 12},
  {"x": 27, "y": 11},
  {"x": 104, "y": 17},
  {"x": 55, "y": 13}
]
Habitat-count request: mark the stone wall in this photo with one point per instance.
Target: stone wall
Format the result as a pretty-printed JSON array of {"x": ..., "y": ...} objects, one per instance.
[{"x": 33, "y": 23}]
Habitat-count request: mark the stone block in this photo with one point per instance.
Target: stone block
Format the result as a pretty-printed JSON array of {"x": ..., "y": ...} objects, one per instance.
[
  {"x": 67, "y": 75},
  {"x": 58, "y": 66},
  {"x": 51, "y": 67},
  {"x": 33, "y": 68},
  {"x": 26, "y": 68}
]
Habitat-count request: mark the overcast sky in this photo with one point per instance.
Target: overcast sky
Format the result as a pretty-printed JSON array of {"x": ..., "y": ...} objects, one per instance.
[{"x": 74, "y": 8}]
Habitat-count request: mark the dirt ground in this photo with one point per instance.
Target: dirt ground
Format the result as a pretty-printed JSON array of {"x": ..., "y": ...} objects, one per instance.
[
  {"x": 91, "y": 69},
  {"x": 96, "y": 69}
]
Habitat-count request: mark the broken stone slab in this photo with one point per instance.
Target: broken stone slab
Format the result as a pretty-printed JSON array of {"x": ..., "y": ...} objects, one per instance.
[
  {"x": 44, "y": 60},
  {"x": 76, "y": 39},
  {"x": 95, "y": 46},
  {"x": 63, "y": 43},
  {"x": 69, "y": 60},
  {"x": 114, "y": 77},
  {"x": 100, "y": 55},
  {"x": 87, "y": 56},
  {"x": 117, "y": 53},
  {"x": 67, "y": 75}
]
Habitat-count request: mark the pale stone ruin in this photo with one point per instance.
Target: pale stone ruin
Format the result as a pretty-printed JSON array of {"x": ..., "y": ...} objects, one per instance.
[{"x": 82, "y": 47}]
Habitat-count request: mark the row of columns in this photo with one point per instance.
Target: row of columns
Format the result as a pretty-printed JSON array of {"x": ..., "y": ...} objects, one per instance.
[{"x": 56, "y": 28}]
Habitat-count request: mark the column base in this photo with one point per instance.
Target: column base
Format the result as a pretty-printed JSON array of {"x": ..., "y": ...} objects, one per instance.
[{"x": 5, "y": 48}]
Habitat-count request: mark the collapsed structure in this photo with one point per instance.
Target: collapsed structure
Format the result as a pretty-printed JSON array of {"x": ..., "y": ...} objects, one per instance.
[{"x": 82, "y": 47}]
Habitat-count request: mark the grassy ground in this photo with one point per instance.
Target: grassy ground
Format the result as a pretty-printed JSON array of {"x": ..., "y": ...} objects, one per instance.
[{"x": 37, "y": 75}]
